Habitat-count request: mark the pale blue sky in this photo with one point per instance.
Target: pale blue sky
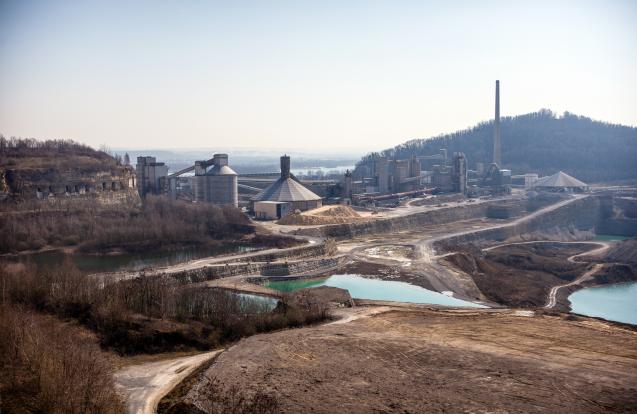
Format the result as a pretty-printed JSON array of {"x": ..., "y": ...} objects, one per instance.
[{"x": 321, "y": 75}]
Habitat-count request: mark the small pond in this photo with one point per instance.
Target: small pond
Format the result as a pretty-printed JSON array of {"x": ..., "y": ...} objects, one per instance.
[
  {"x": 613, "y": 302},
  {"x": 90, "y": 263},
  {"x": 610, "y": 237},
  {"x": 365, "y": 288}
]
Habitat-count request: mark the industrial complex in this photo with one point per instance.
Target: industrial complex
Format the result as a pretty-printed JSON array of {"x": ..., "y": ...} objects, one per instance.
[{"x": 379, "y": 181}]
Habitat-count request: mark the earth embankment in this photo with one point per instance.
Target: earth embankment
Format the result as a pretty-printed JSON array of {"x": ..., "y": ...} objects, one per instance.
[{"x": 438, "y": 361}]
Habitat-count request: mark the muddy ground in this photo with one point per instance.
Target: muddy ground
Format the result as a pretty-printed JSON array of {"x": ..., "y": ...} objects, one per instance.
[
  {"x": 425, "y": 360},
  {"x": 521, "y": 275}
]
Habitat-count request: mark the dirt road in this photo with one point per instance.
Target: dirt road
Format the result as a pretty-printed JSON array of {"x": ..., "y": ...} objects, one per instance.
[
  {"x": 552, "y": 301},
  {"x": 428, "y": 243},
  {"x": 604, "y": 246},
  {"x": 601, "y": 247},
  {"x": 143, "y": 386}
]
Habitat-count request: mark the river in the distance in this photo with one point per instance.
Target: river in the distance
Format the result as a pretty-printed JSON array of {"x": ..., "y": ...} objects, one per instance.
[{"x": 613, "y": 302}]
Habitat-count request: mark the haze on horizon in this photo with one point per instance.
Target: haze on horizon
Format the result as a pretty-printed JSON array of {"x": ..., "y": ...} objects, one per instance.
[{"x": 323, "y": 75}]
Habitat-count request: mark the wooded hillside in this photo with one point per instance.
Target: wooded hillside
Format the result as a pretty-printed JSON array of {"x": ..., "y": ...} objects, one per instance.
[{"x": 541, "y": 142}]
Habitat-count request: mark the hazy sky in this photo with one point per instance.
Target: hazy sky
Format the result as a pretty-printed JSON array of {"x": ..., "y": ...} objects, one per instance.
[{"x": 321, "y": 75}]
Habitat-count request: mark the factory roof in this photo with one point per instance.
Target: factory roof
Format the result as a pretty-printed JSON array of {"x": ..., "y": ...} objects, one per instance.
[
  {"x": 286, "y": 189},
  {"x": 559, "y": 179},
  {"x": 221, "y": 170}
]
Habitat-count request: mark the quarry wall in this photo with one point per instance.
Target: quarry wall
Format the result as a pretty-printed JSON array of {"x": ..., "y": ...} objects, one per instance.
[
  {"x": 407, "y": 222},
  {"x": 579, "y": 216},
  {"x": 618, "y": 215},
  {"x": 260, "y": 263},
  {"x": 212, "y": 272}
]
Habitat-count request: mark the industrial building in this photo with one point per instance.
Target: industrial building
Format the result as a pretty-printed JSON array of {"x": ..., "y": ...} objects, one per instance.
[
  {"x": 392, "y": 175},
  {"x": 451, "y": 179},
  {"x": 151, "y": 176},
  {"x": 560, "y": 181},
  {"x": 215, "y": 182},
  {"x": 284, "y": 196}
]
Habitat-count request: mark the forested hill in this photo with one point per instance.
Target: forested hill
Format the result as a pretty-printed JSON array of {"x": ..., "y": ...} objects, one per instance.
[{"x": 541, "y": 142}]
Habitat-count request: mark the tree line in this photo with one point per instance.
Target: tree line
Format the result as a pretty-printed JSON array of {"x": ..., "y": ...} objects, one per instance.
[{"x": 96, "y": 227}]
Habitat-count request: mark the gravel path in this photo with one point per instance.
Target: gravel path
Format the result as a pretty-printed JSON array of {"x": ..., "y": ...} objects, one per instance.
[{"x": 144, "y": 385}]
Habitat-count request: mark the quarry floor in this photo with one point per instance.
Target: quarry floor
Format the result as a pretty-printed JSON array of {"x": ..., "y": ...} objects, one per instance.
[{"x": 419, "y": 359}]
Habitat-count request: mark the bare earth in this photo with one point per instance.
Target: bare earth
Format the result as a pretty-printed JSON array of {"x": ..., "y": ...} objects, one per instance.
[
  {"x": 427, "y": 360},
  {"x": 142, "y": 386}
]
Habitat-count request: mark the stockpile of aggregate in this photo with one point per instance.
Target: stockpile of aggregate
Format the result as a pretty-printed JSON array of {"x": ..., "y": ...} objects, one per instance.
[{"x": 335, "y": 214}]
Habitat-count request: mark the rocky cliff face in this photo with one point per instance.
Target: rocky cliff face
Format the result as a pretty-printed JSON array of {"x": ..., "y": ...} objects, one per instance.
[
  {"x": 573, "y": 221},
  {"x": 63, "y": 171},
  {"x": 618, "y": 215}
]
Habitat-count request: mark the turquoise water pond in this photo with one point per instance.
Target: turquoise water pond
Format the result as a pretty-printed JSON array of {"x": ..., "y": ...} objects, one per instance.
[
  {"x": 365, "y": 288},
  {"x": 613, "y": 302},
  {"x": 610, "y": 237}
]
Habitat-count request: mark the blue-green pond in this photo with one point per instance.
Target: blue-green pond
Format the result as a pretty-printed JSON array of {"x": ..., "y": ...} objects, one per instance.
[
  {"x": 365, "y": 288},
  {"x": 610, "y": 237},
  {"x": 613, "y": 302}
]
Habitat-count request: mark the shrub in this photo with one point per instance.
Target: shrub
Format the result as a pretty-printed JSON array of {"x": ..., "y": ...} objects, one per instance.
[{"x": 52, "y": 367}]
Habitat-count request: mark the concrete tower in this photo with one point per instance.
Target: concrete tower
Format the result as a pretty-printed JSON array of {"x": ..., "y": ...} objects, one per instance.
[
  {"x": 497, "y": 144},
  {"x": 285, "y": 167}
]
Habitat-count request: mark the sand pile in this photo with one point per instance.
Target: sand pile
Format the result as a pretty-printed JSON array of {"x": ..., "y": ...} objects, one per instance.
[{"x": 336, "y": 214}]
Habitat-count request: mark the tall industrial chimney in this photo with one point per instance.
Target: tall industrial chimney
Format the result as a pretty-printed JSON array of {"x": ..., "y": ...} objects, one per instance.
[
  {"x": 285, "y": 167},
  {"x": 497, "y": 157}
]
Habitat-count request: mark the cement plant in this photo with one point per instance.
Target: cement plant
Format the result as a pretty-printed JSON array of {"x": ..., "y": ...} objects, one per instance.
[{"x": 491, "y": 269}]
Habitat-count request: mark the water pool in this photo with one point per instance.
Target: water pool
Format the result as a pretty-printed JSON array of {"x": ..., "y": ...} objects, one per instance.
[
  {"x": 610, "y": 237},
  {"x": 613, "y": 302},
  {"x": 365, "y": 288}
]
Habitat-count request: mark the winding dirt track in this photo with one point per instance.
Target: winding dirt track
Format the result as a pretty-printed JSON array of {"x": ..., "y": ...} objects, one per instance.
[
  {"x": 552, "y": 298},
  {"x": 144, "y": 385},
  {"x": 429, "y": 242},
  {"x": 552, "y": 301}
]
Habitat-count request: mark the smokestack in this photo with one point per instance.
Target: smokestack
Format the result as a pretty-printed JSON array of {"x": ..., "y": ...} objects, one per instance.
[
  {"x": 497, "y": 158},
  {"x": 285, "y": 167}
]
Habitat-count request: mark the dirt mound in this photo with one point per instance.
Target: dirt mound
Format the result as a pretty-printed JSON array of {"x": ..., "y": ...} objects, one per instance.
[
  {"x": 623, "y": 252},
  {"x": 336, "y": 214},
  {"x": 400, "y": 362},
  {"x": 320, "y": 296}
]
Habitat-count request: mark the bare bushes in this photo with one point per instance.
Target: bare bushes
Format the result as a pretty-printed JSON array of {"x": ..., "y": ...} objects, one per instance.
[
  {"x": 95, "y": 226},
  {"x": 47, "y": 366},
  {"x": 150, "y": 314},
  {"x": 166, "y": 221}
]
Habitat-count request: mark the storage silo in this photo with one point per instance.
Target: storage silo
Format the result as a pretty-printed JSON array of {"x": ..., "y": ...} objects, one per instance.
[{"x": 218, "y": 184}]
